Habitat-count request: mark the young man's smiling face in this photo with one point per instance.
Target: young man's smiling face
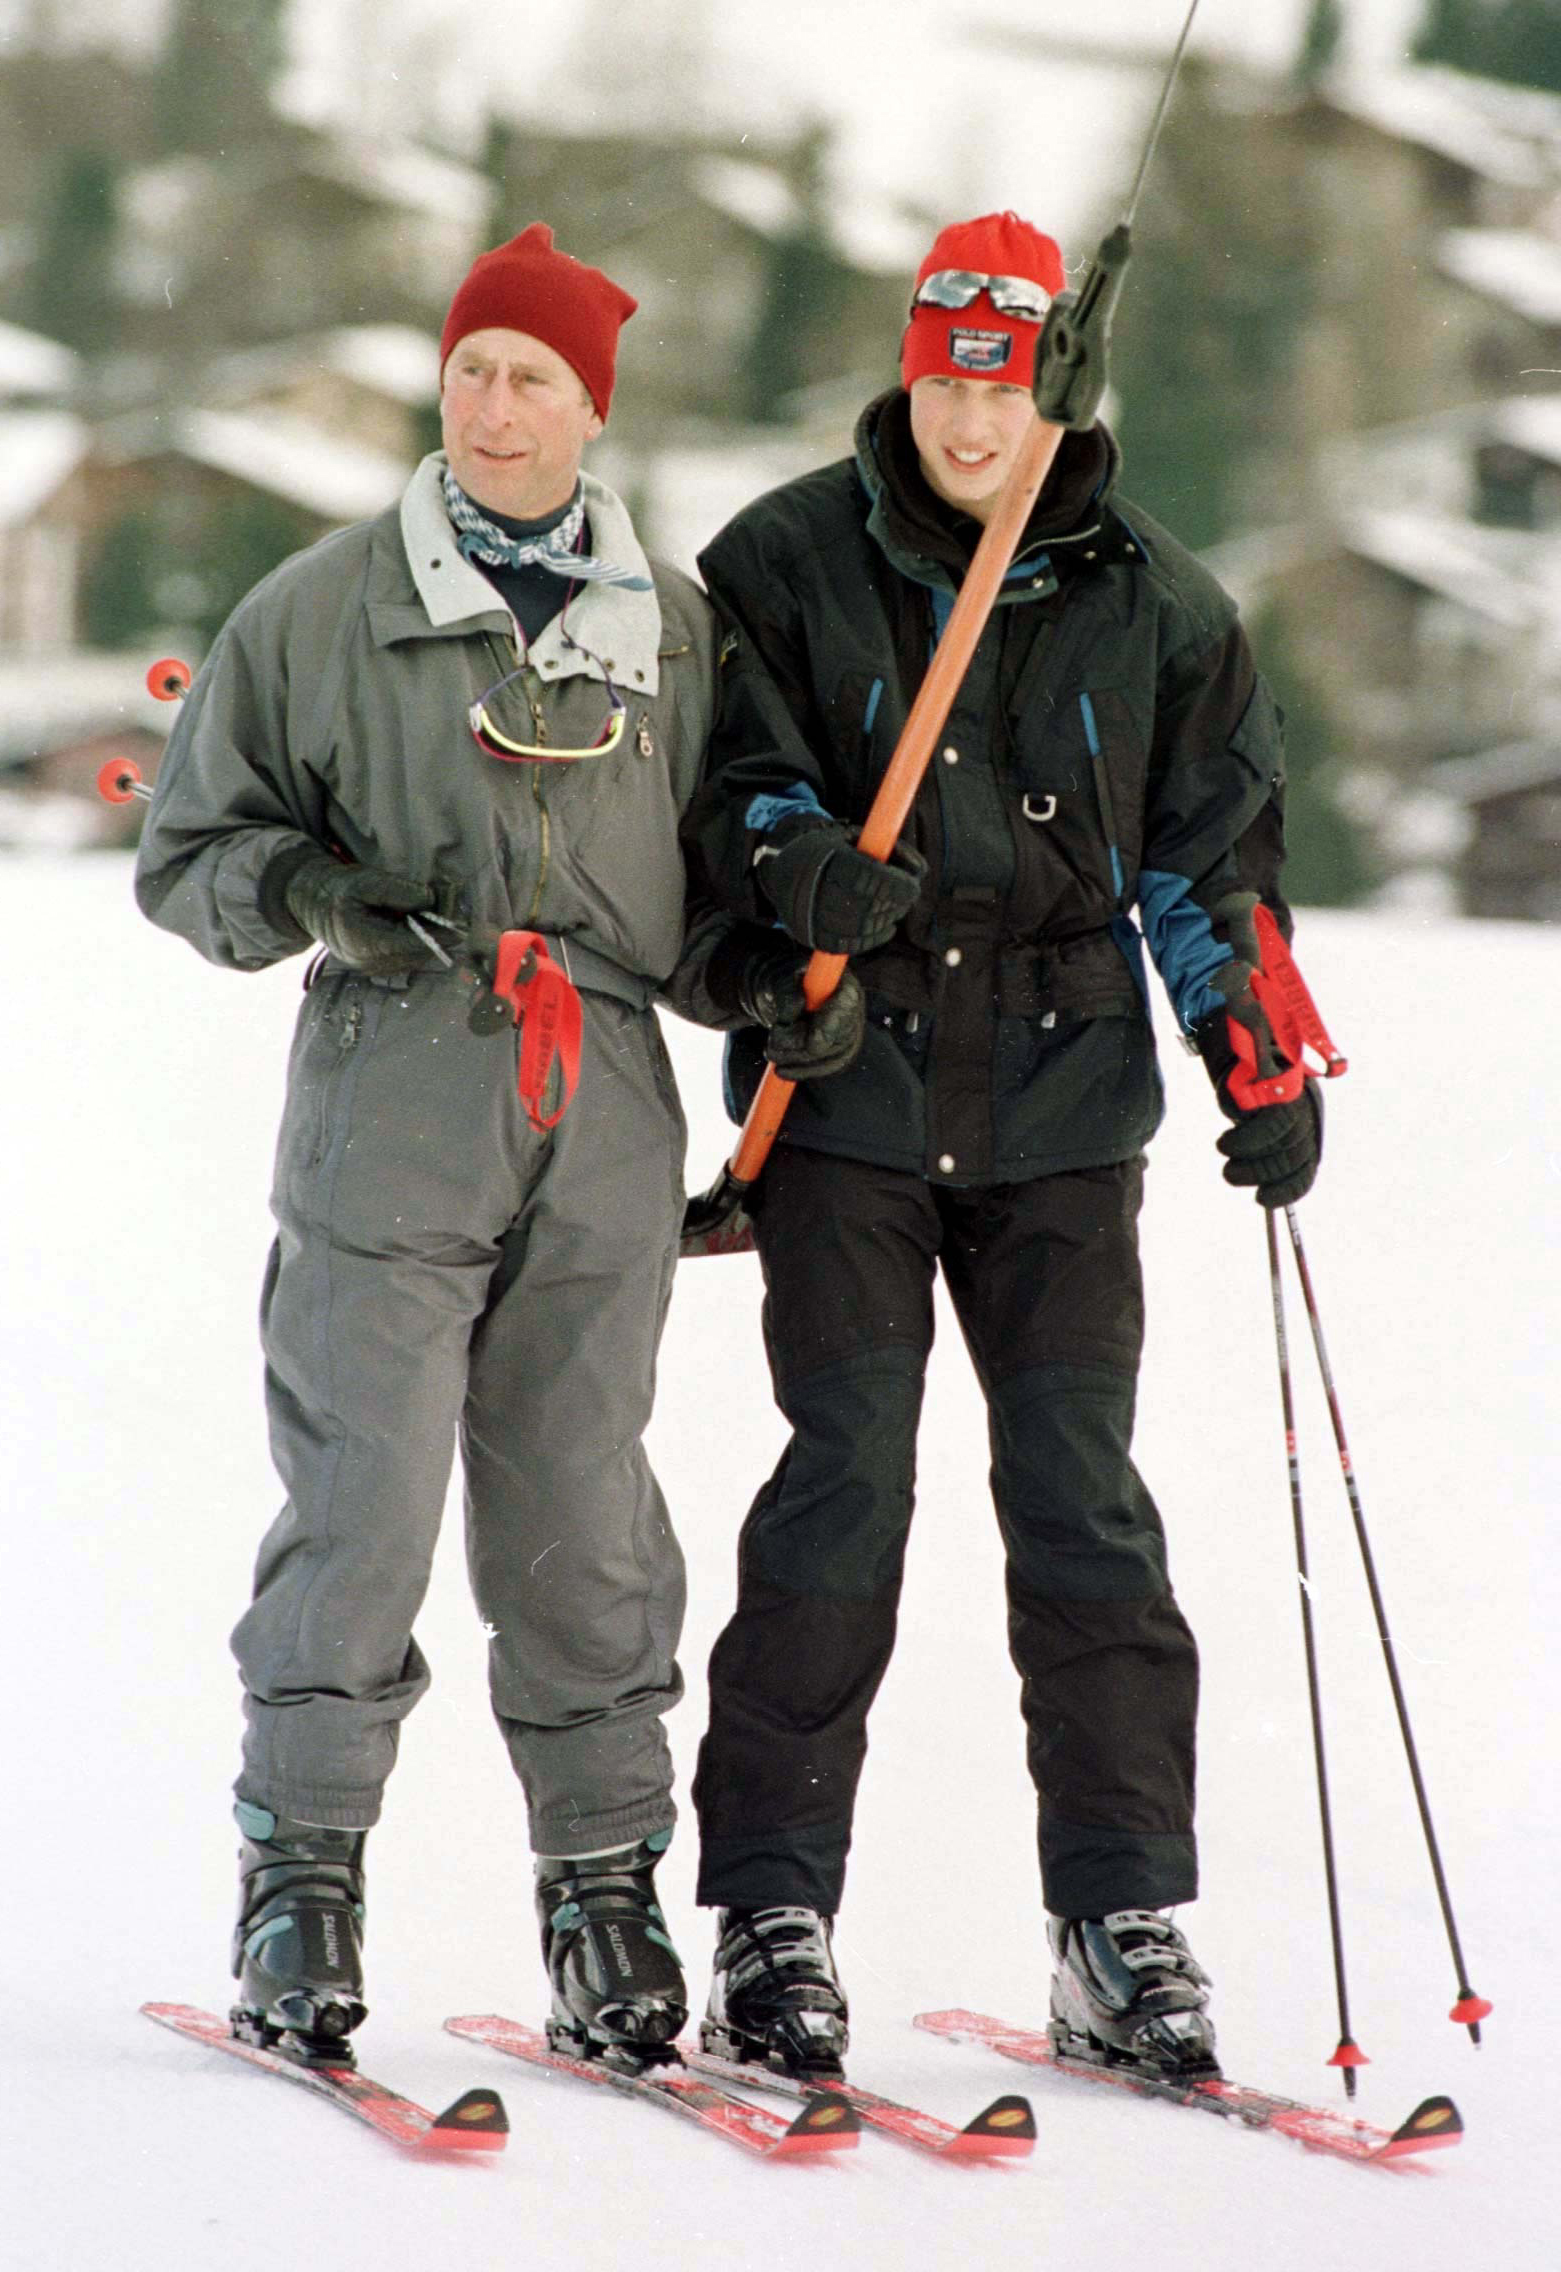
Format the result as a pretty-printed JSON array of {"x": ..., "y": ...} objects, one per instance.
[
  {"x": 515, "y": 418},
  {"x": 967, "y": 434}
]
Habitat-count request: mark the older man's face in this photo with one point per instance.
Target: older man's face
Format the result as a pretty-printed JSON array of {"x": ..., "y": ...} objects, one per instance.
[{"x": 516, "y": 418}]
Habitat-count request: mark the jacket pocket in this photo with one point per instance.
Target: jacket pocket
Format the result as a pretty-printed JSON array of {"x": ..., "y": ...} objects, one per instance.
[
  {"x": 1259, "y": 737},
  {"x": 325, "y": 1047},
  {"x": 1079, "y": 772}
]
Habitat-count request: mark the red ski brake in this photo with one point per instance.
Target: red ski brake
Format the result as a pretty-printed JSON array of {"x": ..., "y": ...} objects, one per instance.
[{"x": 1294, "y": 1021}]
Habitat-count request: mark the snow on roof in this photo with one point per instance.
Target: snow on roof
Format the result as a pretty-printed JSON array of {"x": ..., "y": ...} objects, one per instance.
[
  {"x": 878, "y": 235},
  {"x": 31, "y": 364},
  {"x": 1516, "y": 266},
  {"x": 343, "y": 481},
  {"x": 869, "y": 230},
  {"x": 1500, "y": 772},
  {"x": 1442, "y": 556},
  {"x": 1247, "y": 564},
  {"x": 390, "y": 358},
  {"x": 387, "y": 358},
  {"x": 38, "y": 448},
  {"x": 402, "y": 174},
  {"x": 75, "y": 691},
  {"x": 758, "y": 196},
  {"x": 1531, "y": 423},
  {"x": 1510, "y": 135},
  {"x": 339, "y": 480}
]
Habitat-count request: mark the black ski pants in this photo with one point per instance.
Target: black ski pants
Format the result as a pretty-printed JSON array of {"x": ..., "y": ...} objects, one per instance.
[{"x": 1046, "y": 1283}]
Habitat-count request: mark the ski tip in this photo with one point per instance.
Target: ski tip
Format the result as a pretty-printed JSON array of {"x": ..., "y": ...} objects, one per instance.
[
  {"x": 827, "y": 2124},
  {"x": 474, "y": 2123},
  {"x": 185, "y": 2019},
  {"x": 952, "y": 2023},
  {"x": 1435, "y": 2122},
  {"x": 1005, "y": 2128}
]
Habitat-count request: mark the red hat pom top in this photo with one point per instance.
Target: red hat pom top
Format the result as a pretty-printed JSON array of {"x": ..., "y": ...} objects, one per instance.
[{"x": 998, "y": 244}]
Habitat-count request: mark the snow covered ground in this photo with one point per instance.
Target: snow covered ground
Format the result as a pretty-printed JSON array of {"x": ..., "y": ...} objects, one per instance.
[{"x": 140, "y": 1096}]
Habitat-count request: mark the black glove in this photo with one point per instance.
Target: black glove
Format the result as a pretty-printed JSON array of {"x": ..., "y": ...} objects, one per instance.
[
  {"x": 357, "y": 913},
  {"x": 802, "y": 1044},
  {"x": 1275, "y": 1147},
  {"x": 827, "y": 893}
]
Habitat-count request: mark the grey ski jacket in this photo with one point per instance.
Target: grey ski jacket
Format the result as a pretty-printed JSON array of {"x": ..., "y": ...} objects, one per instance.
[{"x": 333, "y": 709}]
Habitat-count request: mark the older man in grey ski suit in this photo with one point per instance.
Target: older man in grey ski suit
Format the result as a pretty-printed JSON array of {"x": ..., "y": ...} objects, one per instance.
[{"x": 370, "y": 740}]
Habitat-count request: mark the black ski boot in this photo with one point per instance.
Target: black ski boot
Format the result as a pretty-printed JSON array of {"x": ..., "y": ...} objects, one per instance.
[
  {"x": 775, "y": 1996},
  {"x": 1127, "y": 1992},
  {"x": 618, "y": 1991},
  {"x": 298, "y": 1945}
]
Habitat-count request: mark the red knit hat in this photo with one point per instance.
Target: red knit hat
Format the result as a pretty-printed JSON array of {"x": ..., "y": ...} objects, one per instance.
[
  {"x": 527, "y": 286},
  {"x": 981, "y": 341}
]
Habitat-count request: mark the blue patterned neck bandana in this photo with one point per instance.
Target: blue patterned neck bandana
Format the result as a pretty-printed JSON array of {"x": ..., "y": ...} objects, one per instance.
[{"x": 488, "y": 546}]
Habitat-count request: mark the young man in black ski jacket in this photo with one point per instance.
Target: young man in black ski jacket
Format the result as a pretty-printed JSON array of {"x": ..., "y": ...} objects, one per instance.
[{"x": 990, "y": 1086}]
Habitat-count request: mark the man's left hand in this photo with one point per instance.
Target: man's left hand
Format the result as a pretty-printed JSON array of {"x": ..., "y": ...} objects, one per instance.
[
  {"x": 1272, "y": 1148},
  {"x": 1277, "y": 1149},
  {"x": 804, "y": 1044}
]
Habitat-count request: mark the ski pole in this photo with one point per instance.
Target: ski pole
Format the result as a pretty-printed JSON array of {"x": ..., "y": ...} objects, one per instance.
[
  {"x": 1349, "y": 2055},
  {"x": 119, "y": 779},
  {"x": 1469, "y": 2009}
]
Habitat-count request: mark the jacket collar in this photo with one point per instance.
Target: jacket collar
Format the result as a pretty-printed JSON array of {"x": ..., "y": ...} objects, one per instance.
[
  {"x": 933, "y": 543},
  {"x": 607, "y": 623}
]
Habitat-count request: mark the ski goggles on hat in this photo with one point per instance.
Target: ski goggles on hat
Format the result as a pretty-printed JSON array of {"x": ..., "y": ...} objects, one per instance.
[
  {"x": 957, "y": 287},
  {"x": 497, "y": 743}
]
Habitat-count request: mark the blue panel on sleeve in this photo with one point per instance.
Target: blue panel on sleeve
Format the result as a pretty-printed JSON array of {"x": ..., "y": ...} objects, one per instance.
[
  {"x": 1182, "y": 942},
  {"x": 765, "y": 813}
]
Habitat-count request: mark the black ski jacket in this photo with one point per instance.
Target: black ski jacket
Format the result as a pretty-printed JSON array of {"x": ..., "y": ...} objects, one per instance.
[{"x": 1112, "y": 749}]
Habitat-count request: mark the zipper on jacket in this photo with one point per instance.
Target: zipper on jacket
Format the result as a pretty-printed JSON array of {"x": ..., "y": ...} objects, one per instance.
[
  {"x": 1097, "y": 758},
  {"x": 544, "y": 825},
  {"x": 351, "y": 1026}
]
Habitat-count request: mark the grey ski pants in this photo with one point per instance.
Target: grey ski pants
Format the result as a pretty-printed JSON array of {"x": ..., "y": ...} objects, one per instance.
[{"x": 442, "y": 1270}]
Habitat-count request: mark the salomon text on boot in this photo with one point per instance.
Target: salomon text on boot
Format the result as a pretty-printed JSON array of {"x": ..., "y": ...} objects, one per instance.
[
  {"x": 775, "y": 1996},
  {"x": 618, "y": 1990},
  {"x": 298, "y": 1945},
  {"x": 1127, "y": 1992}
]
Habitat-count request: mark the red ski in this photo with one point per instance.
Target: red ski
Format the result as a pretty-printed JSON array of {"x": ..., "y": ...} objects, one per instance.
[
  {"x": 1003, "y": 2131},
  {"x": 474, "y": 2123},
  {"x": 1435, "y": 2122},
  {"x": 826, "y": 2124}
]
